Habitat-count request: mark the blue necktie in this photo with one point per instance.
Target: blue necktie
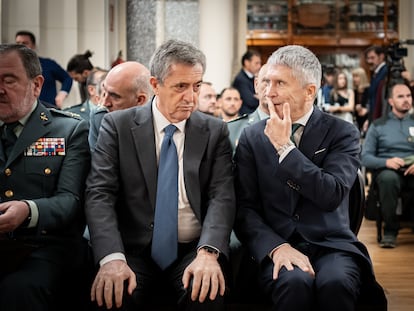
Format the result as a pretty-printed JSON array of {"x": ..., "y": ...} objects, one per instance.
[{"x": 165, "y": 236}]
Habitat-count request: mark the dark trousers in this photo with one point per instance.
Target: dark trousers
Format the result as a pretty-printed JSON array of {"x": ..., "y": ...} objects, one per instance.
[
  {"x": 165, "y": 288},
  {"x": 390, "y": 184},
  {"x": 335, "y": 286}
]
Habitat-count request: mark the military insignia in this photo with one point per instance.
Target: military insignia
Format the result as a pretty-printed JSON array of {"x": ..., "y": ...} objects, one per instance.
[
  {"x": 46, "y": 146},
  {"x": 83, "y": 109},
  {"x": 43, "y": 116},
  {"x": 411, "y": 130}
]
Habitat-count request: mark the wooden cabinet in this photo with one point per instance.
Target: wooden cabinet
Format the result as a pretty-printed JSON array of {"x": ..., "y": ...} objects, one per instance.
[{"x": 326, "y": 27}]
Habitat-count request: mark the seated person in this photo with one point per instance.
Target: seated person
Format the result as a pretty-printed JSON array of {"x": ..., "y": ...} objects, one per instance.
[
  {"x": 293, "y": 201},
  {"x": 388, "y": 142}
]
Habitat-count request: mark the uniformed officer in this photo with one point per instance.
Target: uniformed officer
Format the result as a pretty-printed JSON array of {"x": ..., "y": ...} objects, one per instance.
[{"x": 44, "y": 160}]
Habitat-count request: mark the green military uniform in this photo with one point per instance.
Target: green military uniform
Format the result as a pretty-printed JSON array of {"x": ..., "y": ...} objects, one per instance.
[
  {"x": 47, "y": 167},
  {"x": 83, "y": 110}
]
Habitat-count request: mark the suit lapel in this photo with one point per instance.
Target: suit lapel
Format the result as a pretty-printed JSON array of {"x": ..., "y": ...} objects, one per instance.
[
  {"x": 313, "y": 135},
  {"x": 196, "y": 139},
  {"x": 144, "y": 139},
  {"x": 35, "y": 127}
]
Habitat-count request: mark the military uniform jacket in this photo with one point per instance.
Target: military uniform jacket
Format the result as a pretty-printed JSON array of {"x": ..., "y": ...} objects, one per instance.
[{"x": 48, "y": 165}]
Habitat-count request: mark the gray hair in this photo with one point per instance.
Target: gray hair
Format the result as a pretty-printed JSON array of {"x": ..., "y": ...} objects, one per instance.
[
  {"x": 174, "y": 52},
  {"x": 28, "y": 57},
  {"x": 305, "y": 66}
]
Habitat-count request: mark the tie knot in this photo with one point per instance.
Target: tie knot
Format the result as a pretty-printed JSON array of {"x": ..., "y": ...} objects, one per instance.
[
  {"x": 8, "y": 129},
  {"x": 295, "y": 127},
  {"x": 169, "y": 130}
]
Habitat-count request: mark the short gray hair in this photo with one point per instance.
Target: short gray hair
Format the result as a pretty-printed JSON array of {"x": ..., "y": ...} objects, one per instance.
[
  {"x": 174, "y": 52},
  {"x": 305, "y": 66}
]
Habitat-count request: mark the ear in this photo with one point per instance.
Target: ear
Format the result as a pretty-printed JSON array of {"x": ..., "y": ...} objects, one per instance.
[
  {"x": 141, "y": 99},
  {"x": 155, "y": 84},
  {"x": 310, "y": 91},
  {"x": 37, "y": 85}
]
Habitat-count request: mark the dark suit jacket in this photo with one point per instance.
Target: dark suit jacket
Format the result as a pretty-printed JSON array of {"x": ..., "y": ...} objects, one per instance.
[
  {"x": 245, "y": 86},
  {"x": 121, "y": 188},
  {"x": 308, "y": 192},
  {"x": 54, "y": 182},
  {"x": 375, "y": 93}
]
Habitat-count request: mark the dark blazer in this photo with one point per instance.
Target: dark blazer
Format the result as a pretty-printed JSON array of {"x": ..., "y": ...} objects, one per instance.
[
  {"x": 245, "y": 86},
  {"x": 307, "y": 192},
  {"x": 54, "y": 182},
  {"x": 121, "y": 187},
  {"x": 375, "y": 93}
]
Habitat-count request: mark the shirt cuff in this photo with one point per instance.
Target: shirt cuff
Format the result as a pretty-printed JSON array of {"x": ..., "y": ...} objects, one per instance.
[
  {"x": 34, "y": 213},
  {"x": 285, "y": 152},
  {"x": 112, "y": 257}
]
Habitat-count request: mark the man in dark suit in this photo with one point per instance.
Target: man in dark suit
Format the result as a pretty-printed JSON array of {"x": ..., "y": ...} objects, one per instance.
[
  {"x": 244, "y": 81},
  {"x": 122, "y": 199},
  {"x": 375, "y": 59},
  {"x": 44, "y": 160},
  {"x": 293, "y": 201}
]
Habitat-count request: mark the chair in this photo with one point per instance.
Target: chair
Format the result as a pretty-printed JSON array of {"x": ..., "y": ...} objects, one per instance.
[{"x": 373, "y": 207}]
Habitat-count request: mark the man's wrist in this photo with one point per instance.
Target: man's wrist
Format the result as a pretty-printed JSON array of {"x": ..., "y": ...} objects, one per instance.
[
  {"x": 282, "y": 148},
  {"x": 210, "y": 250}
]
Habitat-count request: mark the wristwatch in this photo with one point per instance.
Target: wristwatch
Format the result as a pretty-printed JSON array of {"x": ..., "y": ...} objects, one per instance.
[{"x": 211, "y": 250}]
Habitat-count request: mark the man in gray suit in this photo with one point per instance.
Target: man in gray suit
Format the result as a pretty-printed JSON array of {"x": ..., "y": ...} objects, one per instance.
[
  {"x": 121, "y": 192},
  {"x": 44, "y": 160}
]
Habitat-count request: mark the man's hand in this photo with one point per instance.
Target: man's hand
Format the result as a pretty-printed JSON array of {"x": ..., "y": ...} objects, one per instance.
[
  {"x": 13, "y": 214},
  {"x": 60, "y": 97},
  {"x": 409, "y": 170},
  {"x": 394, "y": 163},
  {"x": 207, "y": 277},
  {"x": 278, "y": 130},
  {"x": 109, "y": 283},
  {"x": 287, "y": 256}
]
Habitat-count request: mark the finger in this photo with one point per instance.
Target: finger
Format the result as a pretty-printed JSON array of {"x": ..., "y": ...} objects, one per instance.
[
  {"x": 118, "y": 292},
  {"x": 205, "y": 286},
  {"x": 186, "y": 278},
  {"x": 222, "y": 283},
  {"x": 93, "y": 290},
  {"x": 195, "y": 291},
  {"x": 108, "y": 294},
  {"x": 132, "y": 283},
  {"x": 214, "y": 287},
  {"x": 286, "y": 113},
  {"x": 272, "y": 109}
]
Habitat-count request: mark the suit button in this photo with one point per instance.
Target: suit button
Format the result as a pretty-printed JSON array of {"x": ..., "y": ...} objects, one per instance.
[
  {"x": 47, "y": 171},
  {"x": 43, "y": 232},
  {"x": 296, "y": 217},
  {"x": 7, "y": 171},
  {"x": 9, "y": 193},
  {"x": 152, "y": 225}
]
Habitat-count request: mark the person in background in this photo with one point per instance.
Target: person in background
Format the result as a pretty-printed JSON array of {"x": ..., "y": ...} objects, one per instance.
[
  {"x": 126, "y": 85},
  {"x": 44, "y": 160},
  {"x": 51, "y": 71},
  {"x": 360, "y": 84},
  {"x": 207, "y": 99},
  {"x": 262, "y": 112},
  {"x": 79, "y": 67},
  {"x": 388, "y": 151},
  {"x": 138, "y": 249},
  {"x": 87, "y": 108},
  {"x": 244, "y": 81},
  {"x": 375, "y": 60},
  {"x": 293, "y": 175},
  {"x": 342, "y": 98},
  {"x": 230, "y": 104},
  {"x": 328, "y": 83}
]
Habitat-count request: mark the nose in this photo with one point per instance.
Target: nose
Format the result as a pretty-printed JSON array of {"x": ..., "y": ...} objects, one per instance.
[
  {"x": 189, "y": 95},
  {"x": 106, "y": 100}
]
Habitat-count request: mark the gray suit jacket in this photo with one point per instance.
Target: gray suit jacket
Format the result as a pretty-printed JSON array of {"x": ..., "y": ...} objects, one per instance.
[{"x": 121, "y": 187}]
